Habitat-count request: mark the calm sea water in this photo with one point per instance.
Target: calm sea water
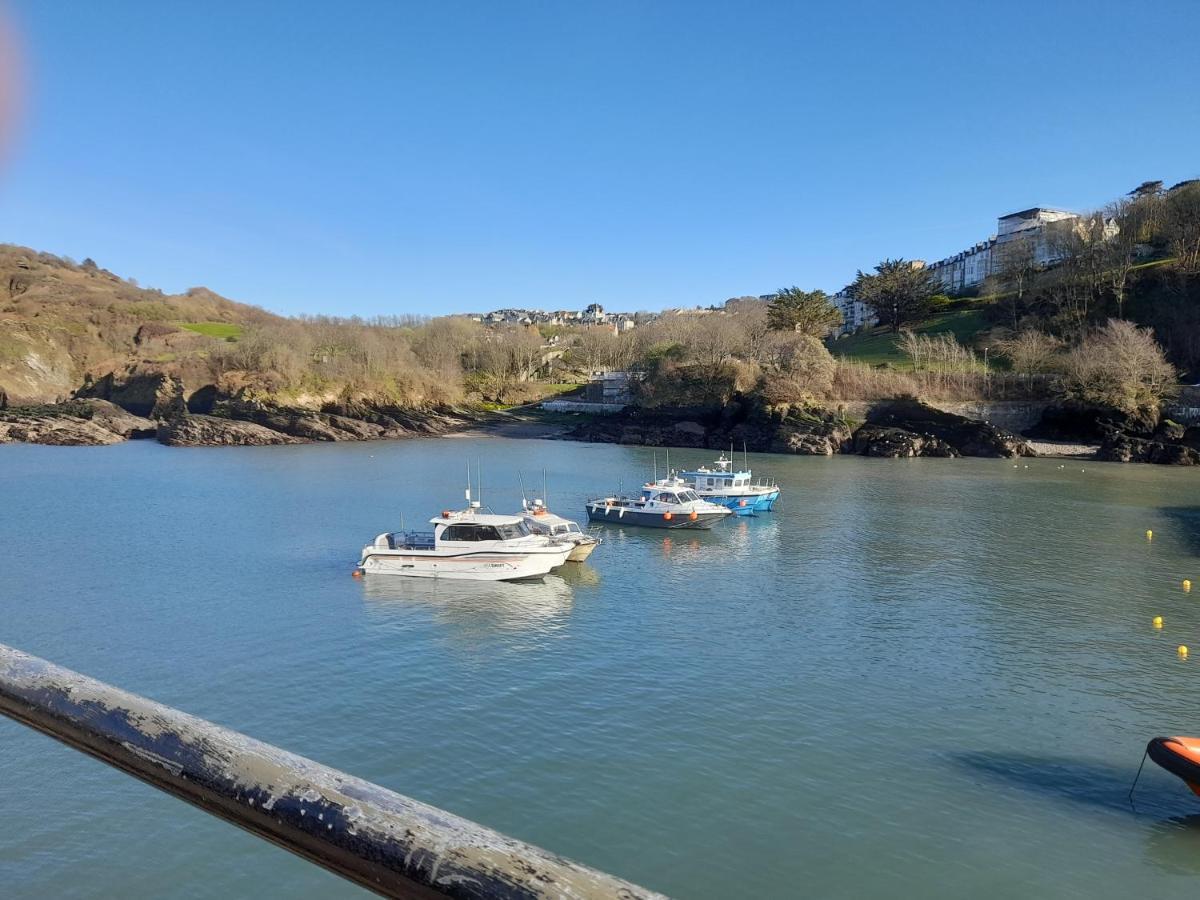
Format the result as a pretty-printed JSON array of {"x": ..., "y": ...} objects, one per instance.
[{"x": 927, "y": 678}]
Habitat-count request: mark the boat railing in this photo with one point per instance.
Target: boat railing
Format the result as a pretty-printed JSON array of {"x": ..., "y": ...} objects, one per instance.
[{"x": 381, "y": 840}]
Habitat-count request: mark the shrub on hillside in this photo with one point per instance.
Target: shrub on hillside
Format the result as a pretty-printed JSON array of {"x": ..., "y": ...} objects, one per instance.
[{"x": 1119, "y": 366}]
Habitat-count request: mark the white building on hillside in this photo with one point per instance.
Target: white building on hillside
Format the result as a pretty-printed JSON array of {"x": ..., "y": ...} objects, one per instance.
[
  {"x": 970, "y": 267},
  {"x": 855, "y": 313}
]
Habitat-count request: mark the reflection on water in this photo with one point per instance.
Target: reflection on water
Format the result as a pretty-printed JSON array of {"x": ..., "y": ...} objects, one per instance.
[
  {"x": 1075, "y": 781},
  {"x": 511, "y": 606},
  {"x": 579, "y": 575}
]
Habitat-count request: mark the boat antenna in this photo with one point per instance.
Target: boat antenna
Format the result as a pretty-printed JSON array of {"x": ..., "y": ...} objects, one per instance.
[
  {"x": 668, "y": 463},
  {"x": 468, "y": 492},
  {"x": 745, "y": 456},
  {"x": 656, "y": 465},
  {"x": 545, "y": 494},
  {"x": 521, "y": 478}
]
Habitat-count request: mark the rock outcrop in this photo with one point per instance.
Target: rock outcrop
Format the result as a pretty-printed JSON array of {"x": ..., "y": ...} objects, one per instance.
[
  {"x": 153, "y": 396},
  {"x": 895, "y": 443},
  {"x": 1123, "y": 437},
  {"x": 214, "y": 431},
  {"x": 1124, "y": 448},
  {"x": 811, "y": 433},
  {"x": 75, "y": 423},
  {"x": 940, "y": 434},
  {"x": 807, "y": 430}
]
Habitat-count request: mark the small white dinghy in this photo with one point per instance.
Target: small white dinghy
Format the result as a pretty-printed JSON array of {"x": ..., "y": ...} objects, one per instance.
[
  {"x": 467, "y": 544},
  {"x": 541, "y": 521}
]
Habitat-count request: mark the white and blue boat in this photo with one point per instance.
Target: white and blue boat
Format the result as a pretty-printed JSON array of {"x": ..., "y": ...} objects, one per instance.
[
  {"x": 733, "y": 489},
  {"x": 664, "y": 503}
]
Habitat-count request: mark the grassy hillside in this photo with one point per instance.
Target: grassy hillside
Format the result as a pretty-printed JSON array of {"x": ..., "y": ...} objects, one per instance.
[
  {"x": 877, "y": 346},
  {"x": 61, "y": 320}
]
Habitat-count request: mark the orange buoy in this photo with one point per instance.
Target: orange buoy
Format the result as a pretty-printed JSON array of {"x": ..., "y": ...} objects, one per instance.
[
  {"x": 357, "y": 573},
  {"x": 741, "y": 503},
  {"x": 445, "y": 513},
  {"x": 693, "y": 515},
  {"x": 668, "y": 516}
]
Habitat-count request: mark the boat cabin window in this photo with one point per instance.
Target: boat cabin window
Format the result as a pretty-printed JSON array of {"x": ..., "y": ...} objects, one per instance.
[
  {"x": 688, "y": 496},
  {"x": 473, "y": 532}
]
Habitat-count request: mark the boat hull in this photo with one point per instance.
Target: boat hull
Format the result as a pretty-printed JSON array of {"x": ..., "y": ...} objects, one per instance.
[
  {"x": 743, "y": 504},
  {"x": 621, "y": 515},
  {"x": 484, "y": 565},
  {"x": 1179, "y": 756},
  {"x": 582, "y": 551}
]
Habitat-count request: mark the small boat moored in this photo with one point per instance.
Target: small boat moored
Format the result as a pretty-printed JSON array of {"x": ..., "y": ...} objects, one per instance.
[
  {"x": 734, "y": 489},
  {"x": 540, "y": 520},
  {"x": 467, "y": 544},
  {"x": 1180, "y": 756},
  {"x": 665, "y": 503}
]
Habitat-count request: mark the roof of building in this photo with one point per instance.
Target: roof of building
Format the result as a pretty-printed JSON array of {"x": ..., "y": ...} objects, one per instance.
[{"x": 1033, "y": 211}]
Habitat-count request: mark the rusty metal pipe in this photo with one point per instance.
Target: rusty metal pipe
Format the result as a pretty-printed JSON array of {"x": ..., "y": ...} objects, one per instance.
[{"x": 384, "y": 841}]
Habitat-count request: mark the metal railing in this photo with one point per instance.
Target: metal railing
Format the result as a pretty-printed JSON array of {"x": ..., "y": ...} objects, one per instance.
[{"x": 381, "y": 840}]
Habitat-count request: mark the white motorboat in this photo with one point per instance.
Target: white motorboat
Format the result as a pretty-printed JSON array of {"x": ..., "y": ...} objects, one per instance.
[
  {"x": 541, "y": 521},
  {"x": 664, "y": 503},
  {"x": 467, "y": 544}
]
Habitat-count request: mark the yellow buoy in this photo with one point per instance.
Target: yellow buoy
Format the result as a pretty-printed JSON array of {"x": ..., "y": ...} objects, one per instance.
[
  {"x": 1149, "y": 535},
  {"x": 1158, "y": 621},
  {"x": 1182, "y": 651},
  {"x": 1187, "y": 586}
]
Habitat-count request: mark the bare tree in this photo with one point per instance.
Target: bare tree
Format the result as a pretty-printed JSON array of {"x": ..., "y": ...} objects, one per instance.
[
  {"x": 1120, "y": 366},
  {"x": 1032, "y": 352}
]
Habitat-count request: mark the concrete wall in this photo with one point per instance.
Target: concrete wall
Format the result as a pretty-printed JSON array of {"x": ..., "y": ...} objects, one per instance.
[{"x": 576, "y": 406}]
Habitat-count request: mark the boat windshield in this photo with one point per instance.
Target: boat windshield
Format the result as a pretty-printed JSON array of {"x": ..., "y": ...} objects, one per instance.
[
  {"x": 688, "y": 496},
  {"x": 513, "y": 531},
  {"x": 573, "y": 529},
  {"x": 472, "y": 532}
]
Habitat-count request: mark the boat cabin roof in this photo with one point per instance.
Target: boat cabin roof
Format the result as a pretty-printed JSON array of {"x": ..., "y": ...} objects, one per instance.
[
  {"x": 723, "y": 468},
  {"x": 474, "y": 517},
  {"x": 706, "y": 472},
  {"x": 548, "y": 518},
  {"x": 670, "y": 488}
]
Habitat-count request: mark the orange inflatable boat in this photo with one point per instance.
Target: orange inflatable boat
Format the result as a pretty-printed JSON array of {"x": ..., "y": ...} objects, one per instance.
[{"x": 1180, "y": 756}]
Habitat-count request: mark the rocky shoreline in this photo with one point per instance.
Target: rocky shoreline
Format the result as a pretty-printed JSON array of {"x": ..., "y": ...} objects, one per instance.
[
  {"x": 894, "y": 429},
  {"x": 108, "y": 412},
  {"x": 904, "y": 428}
]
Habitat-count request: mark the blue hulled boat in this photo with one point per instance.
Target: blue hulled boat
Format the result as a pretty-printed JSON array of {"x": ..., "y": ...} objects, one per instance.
[{"x": 733, "y": 489}]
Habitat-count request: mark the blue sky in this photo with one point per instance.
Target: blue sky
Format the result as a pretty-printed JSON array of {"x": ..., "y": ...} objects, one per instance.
[{"x": 375, "y": 158}]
